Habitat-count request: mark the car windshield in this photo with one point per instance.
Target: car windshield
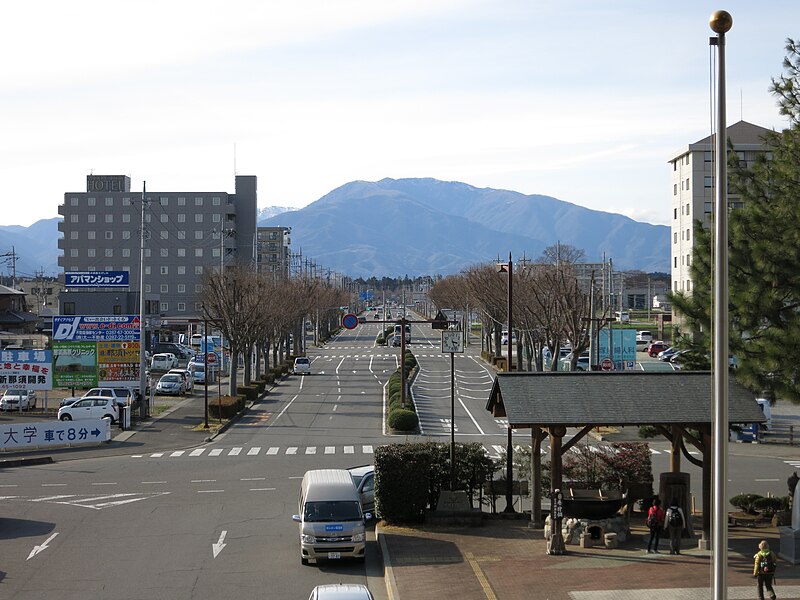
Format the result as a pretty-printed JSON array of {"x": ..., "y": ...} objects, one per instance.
[
  {"x": 171, "y": 378},
  {"x": 15, "y": 394},
  {"x": 323, "y": 512},
  {"x": 301, "y": 361}
]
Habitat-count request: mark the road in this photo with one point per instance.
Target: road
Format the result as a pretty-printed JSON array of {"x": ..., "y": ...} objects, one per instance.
[{"x": 214, "y": 520}]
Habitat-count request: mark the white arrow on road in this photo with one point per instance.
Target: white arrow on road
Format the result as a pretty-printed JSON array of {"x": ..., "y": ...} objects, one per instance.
[
  {"x": 37, "y": 549},
  {"x": 217, "y": 548}
]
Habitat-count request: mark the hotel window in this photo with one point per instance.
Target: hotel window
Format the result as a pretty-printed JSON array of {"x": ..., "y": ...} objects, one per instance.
[
  {"x": 73, "y": 218},
  {"x": 126, "y": 252},
  {"x": 687, "y": 183},
  {"x": 687, "y": 208},
  {"x": 90, "y": 201},
  {"x": 73, "y": 253},
  {"x": 90, "y": 235},
  {"x": 165, "y": 218},
  {"x": 181, "y": 306},
  {"x": 216, "y": 218},
  {"x": 126, "y": 202},
  {"x": 198, "y": 235},
  {"x": 147, "y": 217},
  {"x": 147, "y": 288},
  {"x": 181, "y": 252},
  {"x": 164, "y": 306},
  {"x": 198, "y": 217},
  {"x": 109, "y": 202},
  {"x": 687, "y": 234},
  {"x": 708, "y": 207},
  {"x": 164, "y": 252},
  {"x": 181, "y": 218},
  {"x": 109, "y": 253},
  {"x": 181, "y": 270},
  {"x": 126, "y": 235},
  {"x": 198, "y": 201},
  {"x": 73, "y": 235},
  {"x": 198, "y": 252},
  {"x": 215, "y": 200},
  {"x": 164, "y": 234},
  {"x": 181, "y": 235},
  {"x": 687, "y": 160},
  {"x": 90, "y": 253},
  {"x": 164, "y": 270},
  {"x": 181, "y": 288},
  {"x": 675, "y": 236},
  {"x": 198, "y": 270},
  {"x": 109, "y": 235},
  {"x": 164, "y": 288},
  {"x": 91, "y": 218},
  {"x": 163, "y": 201},
  {"x": 147, "y": 253},
  {"x": 147, "y": 269},
  {"x": 181, "y": 201},
  {"x": 198, "y": 287},
  {"x": 126, "y": 218},
  {"x": 688, "y": 259},
  {"x": 674, "y": 189},
  {"x": 73, "y": 202}
]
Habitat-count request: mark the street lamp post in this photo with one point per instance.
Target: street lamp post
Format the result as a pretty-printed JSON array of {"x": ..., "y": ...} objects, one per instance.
[{"x": 508, "y": 268}]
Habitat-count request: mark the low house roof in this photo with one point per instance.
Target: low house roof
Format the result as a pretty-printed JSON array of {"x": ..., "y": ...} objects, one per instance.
[{"x": 577, "y": 399}]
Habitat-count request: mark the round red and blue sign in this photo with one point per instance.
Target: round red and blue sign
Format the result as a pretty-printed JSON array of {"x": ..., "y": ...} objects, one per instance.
[{"x": 349, "y": 321}]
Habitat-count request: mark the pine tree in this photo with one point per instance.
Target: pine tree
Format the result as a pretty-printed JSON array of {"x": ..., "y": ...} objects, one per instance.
[{"x": 764, "y": 259}]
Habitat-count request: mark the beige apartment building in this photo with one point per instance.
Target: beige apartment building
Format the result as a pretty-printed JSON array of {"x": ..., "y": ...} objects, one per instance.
[{"x": 693, "y": 191}]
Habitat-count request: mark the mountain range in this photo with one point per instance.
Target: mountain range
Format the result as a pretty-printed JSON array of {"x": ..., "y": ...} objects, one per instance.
[
  {"x": 425, "y": 226},
  {"x": 397, "y": 227}
]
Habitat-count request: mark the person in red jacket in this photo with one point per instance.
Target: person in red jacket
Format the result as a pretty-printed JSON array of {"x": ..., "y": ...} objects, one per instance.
[{"x": 655, "y": 522}]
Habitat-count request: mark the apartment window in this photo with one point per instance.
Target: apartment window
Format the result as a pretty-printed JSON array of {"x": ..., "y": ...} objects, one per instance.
[
  {"x": 148, "y": 217},
  {"x": 147, "y": 253},
  {"x": 90, "y": 235},
  {"x": 90, "y": 201},
  {"x": 674, "y": 213},
  {"x": 198, "y": 306},
  {"x": 109, "y": 253},
  {"x": 181, "y": 201},
  {"x": 181, "y": 252},
  {"x": 181, "y": 288},
  {"x": 687, "y": 183},
  {"x": 676, "y": 262},
  {"x": 708, "y": 207},
  {"x": 181, "y": 270},
  {"x": 73, "y": 202},
  {"x": 688, "y": 259},
  {"x": 707, "y": 156},
  {"x": 216, "y": 217},
  {"x": 164, "y": 234},
  {"x": 164, "y": 270},
  {"x": 126, "y": 253},
  {"x": 675, "y": 238},
  {"x": 181, "y": 306},
  {"x": 198, "y": 270},
  {"x": 90, "y": 253},
  {"x": 198, "y": 201},
  {"x": 688, "y": 285},
  {"x": 69, "y": 308},
  {"x": 198, "y": 235},
  {"x": 686, "y": 162},
  {"x": 682, "y": 263},
  {"x": 117, "y": 309},
  {"x": 164, "y": 306},
  {"x": 198, "y": 217},
  {"x": 126, "y": 202},
  {"x": 165, "y": 218},
  {"x": 198, "y": 252},
  {"x": 164, "y": 252},
  {"x": 681, "y": 184},
  {"x": 215, "y": 252},
  {"x": 215, "y": 200},
  {"x": 73, "y": 235},
  {"x": 126, "y": 235},
  {"x": 73, "y": 218},
  {"x": 126, "y": 218},
  {"x": 687, "y": 234},
  {"x": 164, "y": 288},
  {"x": 147, "y": 288},
  {"x": 109, "y": 235},
  {"x": 674, "y": 165},
  {"x": 708, "y": 181},
  {"x": 674, "y": 189},
  {"x": 181, "y": 218},
  {"x": 73, "y": 253},
  {"x": 147, "y": 269},
  {"x": 163, "y": 201},
  {"x": 687, "y": 208},
  {"x": 181, "y": 235}
]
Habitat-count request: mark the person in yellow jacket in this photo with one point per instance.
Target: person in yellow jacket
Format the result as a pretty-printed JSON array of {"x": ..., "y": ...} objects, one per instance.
[{"x": 764, "y": 569}]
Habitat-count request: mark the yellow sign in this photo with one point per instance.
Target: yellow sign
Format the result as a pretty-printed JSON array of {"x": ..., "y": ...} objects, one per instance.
[{"x": 117, "y": 352}]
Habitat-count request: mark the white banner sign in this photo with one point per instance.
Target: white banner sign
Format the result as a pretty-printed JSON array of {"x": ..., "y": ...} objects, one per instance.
[
  {"x": 20, "y": 436},
  {"x": 26, "y": 370}
]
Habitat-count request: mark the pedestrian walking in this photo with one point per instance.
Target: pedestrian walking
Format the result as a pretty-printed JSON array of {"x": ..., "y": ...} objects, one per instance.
[
  {"x": 674, "y": 522},
  {"x": 764, "y": 569},
  {"x": 655, "y": 522}
]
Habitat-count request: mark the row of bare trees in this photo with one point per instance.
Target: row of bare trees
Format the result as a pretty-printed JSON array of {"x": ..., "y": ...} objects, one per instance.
[
  {"x": 549, "y": 305},
  {"x": 257, "y": 314}
]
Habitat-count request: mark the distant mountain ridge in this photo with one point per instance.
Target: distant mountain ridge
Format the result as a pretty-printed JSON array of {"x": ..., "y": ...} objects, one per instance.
[
  {"x": 427, "y": 226},
  {"x": 413, "y": 227}
]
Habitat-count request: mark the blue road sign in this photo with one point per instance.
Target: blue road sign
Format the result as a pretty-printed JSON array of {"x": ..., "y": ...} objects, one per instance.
[{"x": 349, "y": 321}]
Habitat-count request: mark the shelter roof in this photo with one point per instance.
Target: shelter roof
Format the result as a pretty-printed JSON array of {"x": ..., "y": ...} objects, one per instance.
[{"x": 577, "y": 399}]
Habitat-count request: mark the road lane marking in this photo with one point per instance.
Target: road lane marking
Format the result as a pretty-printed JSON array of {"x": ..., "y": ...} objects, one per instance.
[
  {"x": 215, "y": 452},
  {"x": 197, "y": 452},
  {"x": 217, "y": 548},
  {"x": 291, "y": 450},
  {"x": 43, "y": 546},
  {"x": 272, "y": 451},
  {"x": 262, "y": 489},
  {"x": 366, "y": 449},
  {"x": 157, "y": 455},
  {"x": 311, "y": 450},
  {"x": 51, "y": 498},
  {"x": 254, "y": 451},
  {"x": 203, "y": 481},
  {"x": 178, "y": 453},
  {"x": 54, "y": 484},
  {"x": 209, "y": 491},
  {"x": 253, "y": 479},
  {"x": 105, "y": 483},
  {"x": 152, "y": 482},
  {"x": 349, "y": 450},
  {"x": 330, "y": 449},
  {"x": 234, "y": 452}
]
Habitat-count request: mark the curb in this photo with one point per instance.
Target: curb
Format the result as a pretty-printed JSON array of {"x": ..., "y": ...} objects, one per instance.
[
  {"x": 388, "y": 571},
  {"x": 26, "y": 462}
]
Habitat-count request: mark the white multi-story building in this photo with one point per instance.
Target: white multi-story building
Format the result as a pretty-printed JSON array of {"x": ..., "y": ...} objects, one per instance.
[{"x": 693, "y": 191}]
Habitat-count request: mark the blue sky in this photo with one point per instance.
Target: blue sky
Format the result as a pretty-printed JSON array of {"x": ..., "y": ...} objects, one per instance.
[{"x": 584, "y": 101}]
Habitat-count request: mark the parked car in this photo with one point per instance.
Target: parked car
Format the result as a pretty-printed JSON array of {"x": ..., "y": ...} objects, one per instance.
[
  {"x": 581, "y": 365},
  {"x": 341, "y": 591},
  {"x": 96, "y": 407},
  {"x": 18, "y": 400},
  {"x": 124, "y": 396},
  {"x": 302, "y": 366},
  {"x": 163, "y": 362},
  {"x": 179, "y": 350},
  {"x": 171, "y": 383},
  {"x": 198, "y": 371},
  {"x": 644, "y": 336},
  {"x": 653, "y": 348},
  {"x": 188, "y": 378},
  {"x": 364, "y": 480},
  {"x": 665, "y": 355}
]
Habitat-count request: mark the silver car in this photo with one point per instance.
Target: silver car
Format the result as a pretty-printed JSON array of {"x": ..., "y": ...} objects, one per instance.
[
  {"x": 18, "y": 400},
  {"x": 171, "y": 383}
]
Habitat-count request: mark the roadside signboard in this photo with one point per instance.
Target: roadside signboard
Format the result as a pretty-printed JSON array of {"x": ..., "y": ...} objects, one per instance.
[
  {"x": 16, "y": 436},
  {"x": 96, "y": 328},
  {"x": 211, "y": 358},
  {"x": 623, "y": 349},
  {"x": 349, "y": 321},
  {"x": 96, "y": 279},
  {"x": 74, "y": 364},
  {"x": 26, "y": 369},
  {"x": 117, "y": 362}
]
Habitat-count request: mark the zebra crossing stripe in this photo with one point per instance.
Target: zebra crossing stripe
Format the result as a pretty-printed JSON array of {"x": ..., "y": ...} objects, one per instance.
[
  {"x": 254, "y": 451},
  {"x": 292, "y": 450},
  {"x": 330, "y": 450},
  {"x": 272, "y": 451},
  {"x": 234, "y": 452},
  {"x": 157, "y": 455},
  {"x": 177, "y": 453},
  {"x": 497, "y": 448},
  {"x": 349, "y": 450},
  {"x": 311, "y": 450},
  {"x": 197, "y": 452},
  {"x": 215, "y": 452},
  {"x": 366, "y": 449}
]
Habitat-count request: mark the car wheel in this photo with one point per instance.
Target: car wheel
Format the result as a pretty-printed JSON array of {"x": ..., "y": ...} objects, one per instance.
[
  {"x": 109, "y": 417},
  {"x": 66, "y": 418}
]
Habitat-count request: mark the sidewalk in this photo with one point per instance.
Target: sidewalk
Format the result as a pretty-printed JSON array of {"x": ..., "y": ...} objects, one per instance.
[{"x": 505, "y": 560}]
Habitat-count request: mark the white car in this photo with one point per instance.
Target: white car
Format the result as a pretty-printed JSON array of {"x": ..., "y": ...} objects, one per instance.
[
  {"x": 163, "y": 362},
  {"x": 198, "y": 371},
  {"x": 341, "y": 591},
  {"x": 644, "y": 336},
  {"x": 171, "y": 383},
  {"x": 18, "y": 400},
  {"x": 96, "y": 407},
  {"x": 302, "y": 366},
  {"x": 188, "y": 378}
]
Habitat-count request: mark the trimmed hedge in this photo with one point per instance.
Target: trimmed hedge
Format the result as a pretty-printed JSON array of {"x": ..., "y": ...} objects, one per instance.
[
  {"x": 250, "y": 392},
  {"x": 403, "y": 419},
  {"x": 230, "y": 406}
]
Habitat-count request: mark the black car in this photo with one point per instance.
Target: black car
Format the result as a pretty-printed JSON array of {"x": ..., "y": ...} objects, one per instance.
[{"x": 171, "y": 347}]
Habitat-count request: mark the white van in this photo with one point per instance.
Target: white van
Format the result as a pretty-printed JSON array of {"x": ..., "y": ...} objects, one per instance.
[{"x": 330, "y": 517}]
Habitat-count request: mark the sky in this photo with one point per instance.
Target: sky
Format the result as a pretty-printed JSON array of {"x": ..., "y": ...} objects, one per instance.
[{"x": 581, "y": 100}]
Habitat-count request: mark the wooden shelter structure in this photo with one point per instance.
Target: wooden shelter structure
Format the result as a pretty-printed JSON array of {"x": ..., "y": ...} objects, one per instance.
[{"x": 678, "y": 404}]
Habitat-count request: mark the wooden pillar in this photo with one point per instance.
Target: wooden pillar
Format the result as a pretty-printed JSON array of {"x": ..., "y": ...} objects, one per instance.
[
  {"x": 536, "y": 477},
  {"x": 675, "y": 455},
  {"x": 707, "y": 481},
  {"x": 555, "y": 544}
]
